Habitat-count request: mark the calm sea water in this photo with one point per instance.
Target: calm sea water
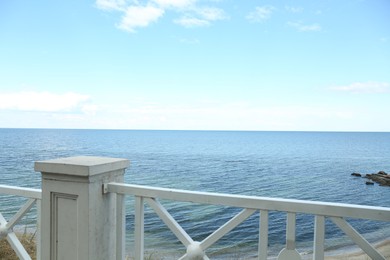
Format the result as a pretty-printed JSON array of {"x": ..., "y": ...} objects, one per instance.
[{"x": 299, "y": 165}]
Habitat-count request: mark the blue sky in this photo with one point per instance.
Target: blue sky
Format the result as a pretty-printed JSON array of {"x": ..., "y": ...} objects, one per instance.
[{"x": 202, "y": 65}]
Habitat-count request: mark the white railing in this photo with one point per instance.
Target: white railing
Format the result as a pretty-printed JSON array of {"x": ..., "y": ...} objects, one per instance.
[
  {"x": 80, "y": 214},
  {"x": 33, "y": 196},
  {"x": 337, "y": 212}
]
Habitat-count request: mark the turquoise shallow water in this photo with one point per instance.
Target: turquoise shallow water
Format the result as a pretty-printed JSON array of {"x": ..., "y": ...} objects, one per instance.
[{"x": 299, "y": 165}]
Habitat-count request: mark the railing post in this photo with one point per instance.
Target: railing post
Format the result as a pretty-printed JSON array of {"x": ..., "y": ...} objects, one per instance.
[{"x": 77, "y": 217}]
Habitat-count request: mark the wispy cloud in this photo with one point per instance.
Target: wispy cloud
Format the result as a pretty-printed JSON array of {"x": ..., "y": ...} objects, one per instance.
[
  {"x": 384, "y": 39},
  {"x": 305, "y": 27},
  {"x": 45, "y": 102},
  {"x": 294, "y": 9},
  {"x": 211, "y": 13},
  {"x": 110, "y": 5},
  {"x": 137, "y": 14},
  {"x": 175, "y": 3},
  {"x": 198, "y": 17},
  {"x": 189, "y": 40},
  {"x": 191, "y": 22},
  {"x": 364, "y": 87},
  {"x": 260, "y": 14}
]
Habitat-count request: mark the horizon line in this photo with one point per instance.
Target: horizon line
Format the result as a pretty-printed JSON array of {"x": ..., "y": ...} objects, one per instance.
[{"x": 194, "y": 130}]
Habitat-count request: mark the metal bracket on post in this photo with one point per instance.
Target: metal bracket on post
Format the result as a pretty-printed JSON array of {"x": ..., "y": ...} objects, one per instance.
[{"x": 105, "y": 188}]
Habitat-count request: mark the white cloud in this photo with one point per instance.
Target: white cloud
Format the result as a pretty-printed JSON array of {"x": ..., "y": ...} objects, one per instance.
[
  {"x": 41, "y": 101},
  {"x": 206, "y": 16},
  {"x": 136, "y": 14},
  {"x": 305, "y": 27},
  {"x": 175, "y": 3},
  {"x": 89, "y": 109},
  {"x": 189, "y": 40},
  {"x": 109, "y": 5},
  {"x": 139, "y": 16},
  {"x": 200, "y": 115},
  {"x": 211, "y": 13},
  {"x": 260, "y": 14},
  {"x": 230, "y": 116},
  {"x": 293, "y": 9},
  {"x": 364, "y": 87},
  {"x": 191, "y": 22}
]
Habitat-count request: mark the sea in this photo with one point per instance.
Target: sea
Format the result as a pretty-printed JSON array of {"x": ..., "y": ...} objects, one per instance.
[{"x": 297, "y": 165}]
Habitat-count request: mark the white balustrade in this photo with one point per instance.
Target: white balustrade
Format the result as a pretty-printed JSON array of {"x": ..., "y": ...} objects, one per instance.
[
  {"x": 6, "y": 227},
  {"x": 83, "y": 214},
  {"x": 337, "y": 212}
]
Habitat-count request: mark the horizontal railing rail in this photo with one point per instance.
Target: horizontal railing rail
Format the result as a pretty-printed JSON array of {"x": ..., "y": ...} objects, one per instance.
[
  {"x": 337, "y": 212},
  {"x": 33, "y": 196}
]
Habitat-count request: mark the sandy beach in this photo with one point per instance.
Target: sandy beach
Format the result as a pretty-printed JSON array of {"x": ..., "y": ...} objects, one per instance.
[{"x": 383, "y": 247}]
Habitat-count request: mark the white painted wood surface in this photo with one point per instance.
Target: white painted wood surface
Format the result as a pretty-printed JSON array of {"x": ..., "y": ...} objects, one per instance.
[
  {"x": 81, "y": 214},
  {"x": 263, "y": 235},
  {"x": 6, "y": 228},
  {"x": 22, "y": 192},
  {"x": 265, "y": 203},
  {"x": 319, "y": 237},
  {"x": 321, "y": 210},
  {"x": 14, "y": 241},
  {"x": 78, "y": 219}
]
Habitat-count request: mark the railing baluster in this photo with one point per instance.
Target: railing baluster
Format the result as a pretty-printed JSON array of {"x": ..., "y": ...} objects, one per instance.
[
  {"x": 263, "y": 235},
  {"x": 290, "y": 239},
  {"x": 319, "y": 237},
  {"x": 38, "y": 231},
  {"x": 357, "y": 238},
  {"x": 120, "y": 227},
  {"x": 289, "y": 252},
  {"x": 139, "y": 228}
]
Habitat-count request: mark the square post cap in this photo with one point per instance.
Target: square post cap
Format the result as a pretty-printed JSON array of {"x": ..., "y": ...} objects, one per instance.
[{"x": 81, "y": 165}]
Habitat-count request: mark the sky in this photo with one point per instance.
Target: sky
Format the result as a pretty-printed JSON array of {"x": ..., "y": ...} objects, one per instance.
[{"x": 195, "y": 65}]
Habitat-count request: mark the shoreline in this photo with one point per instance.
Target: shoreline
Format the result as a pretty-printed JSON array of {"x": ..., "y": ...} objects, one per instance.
[
  {"x": 358, "y": 254},
  {"x": 352, "y": 252}
]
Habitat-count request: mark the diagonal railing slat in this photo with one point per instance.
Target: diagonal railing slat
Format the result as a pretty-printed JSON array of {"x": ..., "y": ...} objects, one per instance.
[
  {"x": 227, "y": 227},
  {"x": 22, "y": 211},
  {"x": 182, "y": 235},
  {"x": 17, "y": 247},
  {"x": 171, "y": 223},
  {"x": 14, "y": 241},
  {"x": 357, "y": 238}
]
